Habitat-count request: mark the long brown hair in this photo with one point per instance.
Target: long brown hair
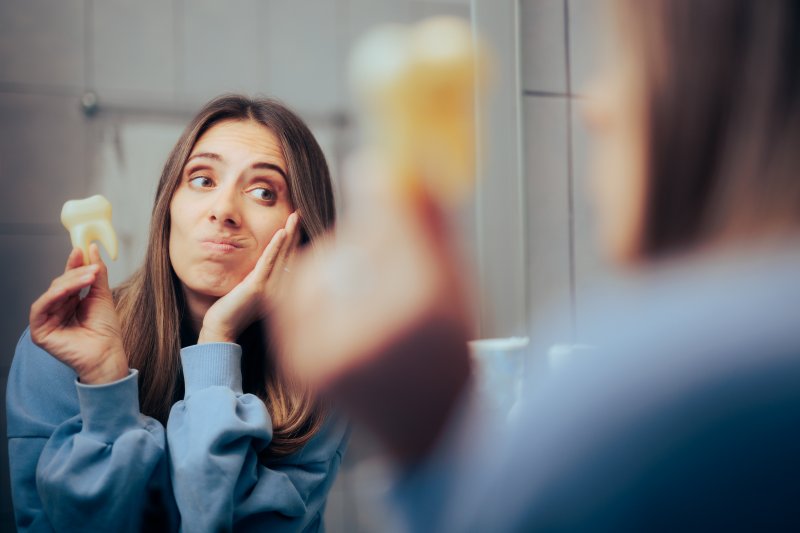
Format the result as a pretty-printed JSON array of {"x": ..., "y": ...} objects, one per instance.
[
  {"x": 722, "y": 118},
  {"x": 151, "y": 303}
]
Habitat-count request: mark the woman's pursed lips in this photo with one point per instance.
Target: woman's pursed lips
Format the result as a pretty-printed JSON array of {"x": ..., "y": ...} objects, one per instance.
[{"x": 221, "y": 244}]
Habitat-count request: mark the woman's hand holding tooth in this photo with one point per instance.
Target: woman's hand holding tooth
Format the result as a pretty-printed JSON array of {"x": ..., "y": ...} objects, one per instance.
[
  {"x": 233, "y": 313},
  {"x": 82, "y": 333}
]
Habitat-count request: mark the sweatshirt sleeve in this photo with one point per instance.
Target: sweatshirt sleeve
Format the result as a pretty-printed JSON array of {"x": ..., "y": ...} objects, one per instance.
[
  {"x": 82, "y": 457},
  {"x": 215, "y": 436}
]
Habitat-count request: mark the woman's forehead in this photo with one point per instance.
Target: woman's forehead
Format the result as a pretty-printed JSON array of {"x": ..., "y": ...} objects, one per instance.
[{"x": 240, "y": 139}]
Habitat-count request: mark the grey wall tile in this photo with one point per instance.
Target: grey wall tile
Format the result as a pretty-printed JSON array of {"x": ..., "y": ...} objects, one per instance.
[
  {"x": 224, "y": 48},
  {"x": 304, "y": 66},
  {"x": 42, "y": 157},
  {"x": 543, "y": 43},
  {"x": 548, "y": 238},
  {"x": 588, "y": 39},
  {"x": 336, "y": 145},
  {"x": 42, "y": 42},
  {"x": 365, "y": 14},
  {"x": 128, "y": 157},
  {"x": 133, "y": 46},
  {"x": 360, "y": 17},
  {"x": 500, "y": 185},
  {"x": 29, "y": 264},
  {"x": 433, "y": 8}
]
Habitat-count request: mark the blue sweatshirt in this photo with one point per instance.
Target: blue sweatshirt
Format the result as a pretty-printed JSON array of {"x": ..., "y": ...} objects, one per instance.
[{"x": 83, "y": 457}]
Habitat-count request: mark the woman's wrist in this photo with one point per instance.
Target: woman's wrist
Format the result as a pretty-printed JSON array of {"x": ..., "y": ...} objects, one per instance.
[
  {"x": 211, "y": 334},
  {"x": 113, "y": 367}
]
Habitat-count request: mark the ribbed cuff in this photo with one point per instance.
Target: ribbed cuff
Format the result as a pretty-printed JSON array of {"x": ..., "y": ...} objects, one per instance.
[
  {"x": 109, "y": 409},
  {"x": 212, "y": 364}
]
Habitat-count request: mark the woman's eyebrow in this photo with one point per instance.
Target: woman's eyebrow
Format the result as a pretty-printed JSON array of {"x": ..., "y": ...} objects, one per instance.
[
  {"x": 206, "y": 155},
  {"x": 270, "y": 166},
  {"x": 259, "y": 165}
]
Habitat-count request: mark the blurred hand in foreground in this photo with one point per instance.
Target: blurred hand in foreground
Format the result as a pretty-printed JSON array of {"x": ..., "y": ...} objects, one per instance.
[{"x": 377, "y": 316}]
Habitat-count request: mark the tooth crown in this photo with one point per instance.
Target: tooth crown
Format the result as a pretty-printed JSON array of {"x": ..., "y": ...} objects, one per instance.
[{"x": 87, "y": 220}]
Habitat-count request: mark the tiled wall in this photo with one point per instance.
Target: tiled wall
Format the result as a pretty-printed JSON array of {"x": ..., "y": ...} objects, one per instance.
[{"x": 560, "y": 43}]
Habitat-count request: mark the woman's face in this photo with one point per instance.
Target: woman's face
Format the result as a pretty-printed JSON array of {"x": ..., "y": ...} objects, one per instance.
[
  {"x": 614, "y": 113},
  {"x": 231, "y": 200}
]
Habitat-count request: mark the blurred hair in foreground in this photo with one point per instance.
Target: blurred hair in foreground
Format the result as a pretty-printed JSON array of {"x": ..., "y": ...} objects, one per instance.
[{"x": 721, "y": 81}]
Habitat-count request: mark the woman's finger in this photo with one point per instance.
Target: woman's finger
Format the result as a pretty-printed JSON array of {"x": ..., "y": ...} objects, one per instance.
[
  {"x": 61, "y": 313},
  {"x": 73, "y": 281},
  {"x": 293, "y": 234},
  {"x": 267, "y": 260},
  {"x": 74, "y": 260},
  {"x": 69, "y": 277},
  {"x": 64, "y": 287},
  {"x": 101, "y": 282}
]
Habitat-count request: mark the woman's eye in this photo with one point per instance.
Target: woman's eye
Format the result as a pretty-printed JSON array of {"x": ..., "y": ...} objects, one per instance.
[
  {"x": 201, "y": 182},
  {"x": 263, "y": 194}
]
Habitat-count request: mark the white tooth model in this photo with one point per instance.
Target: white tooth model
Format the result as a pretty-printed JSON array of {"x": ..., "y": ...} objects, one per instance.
[
  {"x": 417, "y": 89},
  {"x": 87, "y": 220}
]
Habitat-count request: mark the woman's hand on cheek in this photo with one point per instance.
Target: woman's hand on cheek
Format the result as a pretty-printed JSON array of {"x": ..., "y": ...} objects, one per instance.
[
  {"x": 234, "y": 312},
  {"x": 82, "y": 333}
]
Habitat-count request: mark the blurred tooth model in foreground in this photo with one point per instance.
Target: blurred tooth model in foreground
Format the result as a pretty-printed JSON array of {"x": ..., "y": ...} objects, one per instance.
[{"x": 416, "y": 86}]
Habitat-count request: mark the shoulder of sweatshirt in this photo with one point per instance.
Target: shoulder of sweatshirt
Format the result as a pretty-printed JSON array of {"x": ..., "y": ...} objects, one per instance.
[{"x": 41, "y": 391}]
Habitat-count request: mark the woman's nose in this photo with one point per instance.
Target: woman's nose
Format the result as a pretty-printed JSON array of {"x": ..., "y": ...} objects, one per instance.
[{"x": 225, "y": 208}]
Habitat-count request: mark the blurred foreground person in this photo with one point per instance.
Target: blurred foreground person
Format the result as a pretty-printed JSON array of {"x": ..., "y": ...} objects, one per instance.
[{"x": 687, "y": 417}]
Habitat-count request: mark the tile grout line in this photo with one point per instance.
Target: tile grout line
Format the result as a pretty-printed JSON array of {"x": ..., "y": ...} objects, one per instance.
[
  {"x": 547, "y": 94},
  {"x": 39, "y": 89},
  {"x": 45, "y": 229}
]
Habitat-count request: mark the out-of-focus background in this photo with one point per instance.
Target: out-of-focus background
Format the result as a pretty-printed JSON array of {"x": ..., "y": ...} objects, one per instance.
[{"x": 94, "y": 93}]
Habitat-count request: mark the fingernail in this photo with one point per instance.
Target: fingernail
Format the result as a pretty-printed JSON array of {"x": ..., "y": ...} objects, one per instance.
[{"x": 87, "y": 278}]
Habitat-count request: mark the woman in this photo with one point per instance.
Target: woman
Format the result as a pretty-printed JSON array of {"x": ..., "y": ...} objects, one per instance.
[
  {"x": 160, "y": 405},
  {"x": 688, "y": 417}
]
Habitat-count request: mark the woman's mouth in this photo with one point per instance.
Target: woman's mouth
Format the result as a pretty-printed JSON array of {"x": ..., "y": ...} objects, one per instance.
[{"x": 221, "y": 245}]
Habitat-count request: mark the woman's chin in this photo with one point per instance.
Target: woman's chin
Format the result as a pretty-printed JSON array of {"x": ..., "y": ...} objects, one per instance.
[{"x": 213, "y": 288}]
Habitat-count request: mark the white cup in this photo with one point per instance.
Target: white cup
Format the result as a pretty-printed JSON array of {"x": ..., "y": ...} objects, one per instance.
[{"x": 499, "y": 366}]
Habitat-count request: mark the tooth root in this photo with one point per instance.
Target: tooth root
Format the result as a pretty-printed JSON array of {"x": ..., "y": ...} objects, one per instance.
[
  {"x": 103, "y": 232},
  {"x": 89, "y": 220},
  {"x": 79, "y": 237}
]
